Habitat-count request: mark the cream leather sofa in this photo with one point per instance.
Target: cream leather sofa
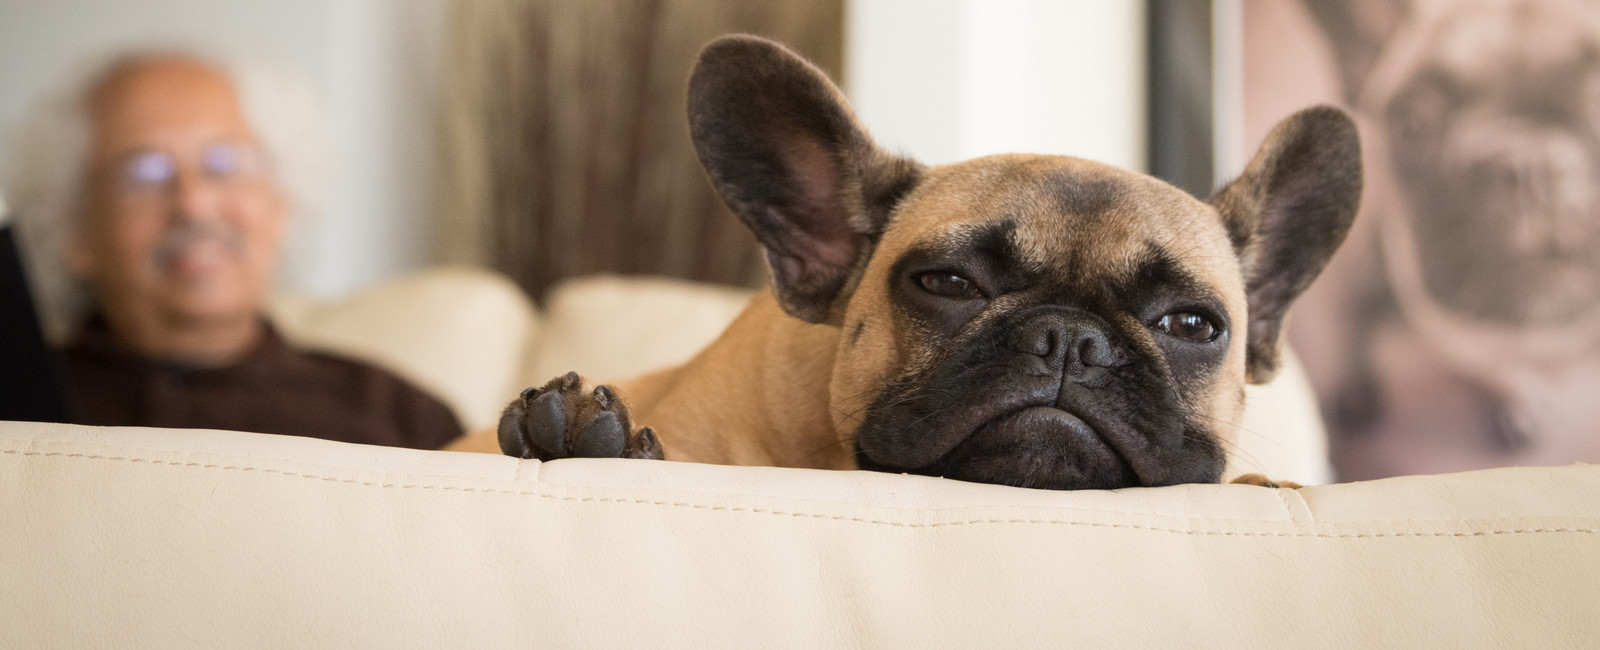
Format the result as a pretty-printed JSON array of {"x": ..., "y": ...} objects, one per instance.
[{"x": 118, "y": 537}]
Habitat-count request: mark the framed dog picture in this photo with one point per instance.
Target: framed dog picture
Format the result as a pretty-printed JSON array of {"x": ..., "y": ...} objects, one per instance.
[{"x": 1459, "y": 326}]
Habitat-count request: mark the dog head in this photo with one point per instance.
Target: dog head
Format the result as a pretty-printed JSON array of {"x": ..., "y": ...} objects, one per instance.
[
  {"x": 1484, "y": 167},
  {"x": 1029, "y": 320},
  {"x": 1493, "y": 138}
]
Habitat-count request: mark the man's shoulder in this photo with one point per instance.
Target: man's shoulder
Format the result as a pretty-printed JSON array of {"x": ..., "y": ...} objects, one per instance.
[
  {"x": 430, "y": 420},
  {"x": 355, "y": 370}
]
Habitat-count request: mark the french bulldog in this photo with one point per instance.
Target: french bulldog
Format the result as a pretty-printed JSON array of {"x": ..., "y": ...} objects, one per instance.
[
  {"x": 1481, "y": 235},
  {"x": 1028, "y": 320}
]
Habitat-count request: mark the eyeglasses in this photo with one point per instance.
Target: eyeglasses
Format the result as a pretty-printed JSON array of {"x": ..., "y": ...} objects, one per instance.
[{"x": 150, "y": 172}]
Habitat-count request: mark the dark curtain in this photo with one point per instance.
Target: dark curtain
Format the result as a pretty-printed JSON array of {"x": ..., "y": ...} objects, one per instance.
[{"x": 568, "y": 129}]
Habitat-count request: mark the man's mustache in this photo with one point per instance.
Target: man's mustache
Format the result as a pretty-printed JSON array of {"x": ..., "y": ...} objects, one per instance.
[{"x": 178, "y": 238}]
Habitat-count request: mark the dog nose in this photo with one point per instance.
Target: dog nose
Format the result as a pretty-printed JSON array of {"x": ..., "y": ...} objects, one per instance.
[{"x": 1070, "y": 342}]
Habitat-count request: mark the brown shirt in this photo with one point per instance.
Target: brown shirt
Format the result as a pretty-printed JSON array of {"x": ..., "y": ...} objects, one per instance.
[{"x": 275, "y": 389}]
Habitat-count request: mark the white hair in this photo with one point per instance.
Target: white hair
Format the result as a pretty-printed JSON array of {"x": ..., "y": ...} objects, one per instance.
[{"x": 45, "y": 183}]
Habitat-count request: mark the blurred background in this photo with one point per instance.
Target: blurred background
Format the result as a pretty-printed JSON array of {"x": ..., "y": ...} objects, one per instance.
[
  {"x": 373, "y": 65},
  {"x": 546, "y": 139},
  {"x": 1459, "y": 326}
]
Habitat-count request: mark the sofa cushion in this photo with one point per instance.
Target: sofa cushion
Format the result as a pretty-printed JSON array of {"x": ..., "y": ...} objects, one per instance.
[
  {"x": 151, "y": 537},
  {"x": 462, "y": 334},
  {"x": 609, "y": 327}
]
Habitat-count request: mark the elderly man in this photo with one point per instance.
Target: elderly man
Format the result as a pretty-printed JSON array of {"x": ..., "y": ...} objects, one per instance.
[{"x": 175, "y": 228}]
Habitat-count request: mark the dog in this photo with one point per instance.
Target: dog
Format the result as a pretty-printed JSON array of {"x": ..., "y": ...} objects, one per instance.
[
  {"x": 1486, "y": 174},
  {"x": 1028, "y": 320}
]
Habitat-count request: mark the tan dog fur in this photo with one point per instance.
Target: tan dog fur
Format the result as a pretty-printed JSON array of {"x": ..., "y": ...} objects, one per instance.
[{"x": 777, "y": 390}]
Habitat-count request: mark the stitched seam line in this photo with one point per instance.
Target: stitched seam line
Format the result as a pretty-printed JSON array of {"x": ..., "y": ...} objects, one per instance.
[
  {"x": 808, "y": 515},
  {"x": 1286, "y": 509}
]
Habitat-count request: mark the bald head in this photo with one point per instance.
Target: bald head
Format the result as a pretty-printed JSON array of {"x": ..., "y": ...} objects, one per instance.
[{"x": 154, "y": 97}]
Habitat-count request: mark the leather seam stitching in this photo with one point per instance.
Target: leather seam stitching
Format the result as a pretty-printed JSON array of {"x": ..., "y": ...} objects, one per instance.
[
  {"x": 810, "y": 515},
  {"x": 1287, "y": 511}
]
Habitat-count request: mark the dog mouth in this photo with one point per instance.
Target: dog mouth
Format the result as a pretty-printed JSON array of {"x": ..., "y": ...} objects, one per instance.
[
  {"x": 1048, "y": 422},
  {"x": 1037, "y": 446},
  {"x": 1040, "y": 446},
  {"x": 989, "y": 416}
]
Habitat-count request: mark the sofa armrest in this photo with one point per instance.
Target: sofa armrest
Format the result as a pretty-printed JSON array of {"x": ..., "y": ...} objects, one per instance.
[{"x": 160, "y": 538}]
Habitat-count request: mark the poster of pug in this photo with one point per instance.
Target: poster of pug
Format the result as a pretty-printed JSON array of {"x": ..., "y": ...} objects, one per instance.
[{"x": 1459, "y": 327}]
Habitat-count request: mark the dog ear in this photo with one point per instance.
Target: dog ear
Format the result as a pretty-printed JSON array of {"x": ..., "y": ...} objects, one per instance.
[
  {"x": 1286, "y": 214},
  {"x": 787, "y": 154}
]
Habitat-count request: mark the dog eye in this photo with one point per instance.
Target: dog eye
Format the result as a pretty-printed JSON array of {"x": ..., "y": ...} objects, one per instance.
[
  {"x": 1188, "y": 326},
  {"x": 948, "y": 285}
]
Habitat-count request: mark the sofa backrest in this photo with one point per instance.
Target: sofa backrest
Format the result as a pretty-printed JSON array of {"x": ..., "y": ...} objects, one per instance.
[{"x": 129, "y": 537}]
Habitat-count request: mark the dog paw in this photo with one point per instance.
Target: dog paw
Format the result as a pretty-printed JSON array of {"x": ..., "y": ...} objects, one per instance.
[
  {"x": 1257, "y": 479},
  {"x": 563, "y": 420}
]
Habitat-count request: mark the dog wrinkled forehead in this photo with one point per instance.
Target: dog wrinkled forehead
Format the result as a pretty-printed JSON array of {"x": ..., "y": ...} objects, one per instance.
[
  {"x": 1068, "y": 217},
  {"x": 1481, "y": 50},
  {"x": 1475, "y": 38}
]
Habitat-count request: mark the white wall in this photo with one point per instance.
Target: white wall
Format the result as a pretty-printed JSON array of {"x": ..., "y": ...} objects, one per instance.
[
  {"x": 947, "y": 80},
  {"x": 371, "y": 61}
]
